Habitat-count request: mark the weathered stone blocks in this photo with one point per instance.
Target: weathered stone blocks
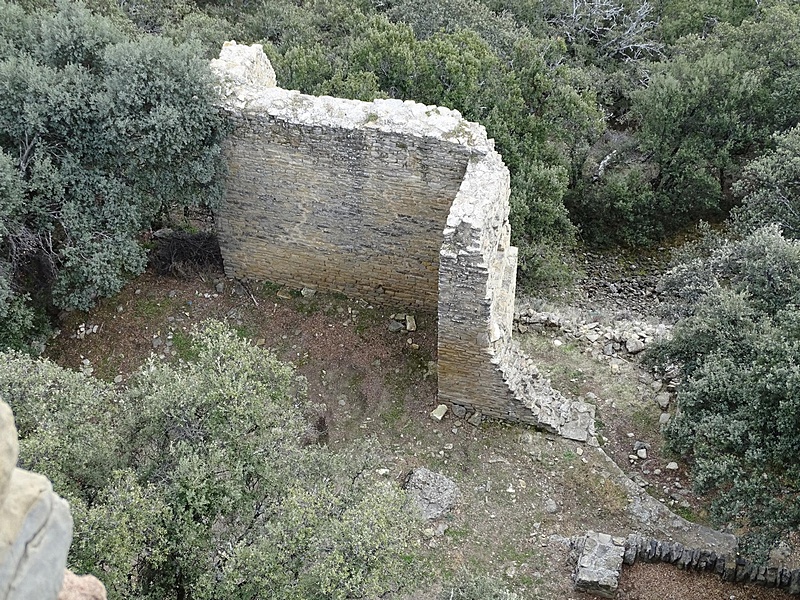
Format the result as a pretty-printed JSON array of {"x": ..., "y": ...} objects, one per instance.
[
  {"x": 390, "y": 201},
  {"x": 599, "y": 564}
]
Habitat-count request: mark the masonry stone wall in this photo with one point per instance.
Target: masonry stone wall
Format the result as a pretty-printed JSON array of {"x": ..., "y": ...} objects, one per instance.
[
  {"x": 394, "y": 202},
  {"x": 358, "y": 211}
]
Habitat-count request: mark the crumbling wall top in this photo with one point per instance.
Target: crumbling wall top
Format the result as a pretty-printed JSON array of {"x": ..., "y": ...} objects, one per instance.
[{"x": 248, "y": 85}]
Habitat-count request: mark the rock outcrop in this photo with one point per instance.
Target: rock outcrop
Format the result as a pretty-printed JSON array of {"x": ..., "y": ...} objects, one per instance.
[
  {"x": 35, "y": 526},
  {"x": 81, "y": 587}
]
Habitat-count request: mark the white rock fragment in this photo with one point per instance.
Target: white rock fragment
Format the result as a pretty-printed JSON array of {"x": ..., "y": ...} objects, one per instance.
[{"x": 439, "y": 412}]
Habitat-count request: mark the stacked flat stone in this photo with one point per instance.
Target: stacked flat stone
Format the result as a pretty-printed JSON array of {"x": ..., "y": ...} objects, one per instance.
[
  {"x": 35, "y": 526},
  {"x": 394, "y": 202},
  {"x": 730, "y": 568},
  {"x": 599, "y": 564},
  {"x": 601, "y": 556}
]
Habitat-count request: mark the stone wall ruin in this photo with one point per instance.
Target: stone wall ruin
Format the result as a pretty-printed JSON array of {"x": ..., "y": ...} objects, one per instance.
[{"x": 393, "y": 202}]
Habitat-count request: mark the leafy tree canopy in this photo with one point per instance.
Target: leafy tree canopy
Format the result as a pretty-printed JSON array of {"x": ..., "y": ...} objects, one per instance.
[
  {"x": 739, "y": 406},
  {"x": 770, "y": 188},
  {"x": 100, "y": 134}
]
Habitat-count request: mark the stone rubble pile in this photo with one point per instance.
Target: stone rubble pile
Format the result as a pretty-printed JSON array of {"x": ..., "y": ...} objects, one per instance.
[
  {"x": 622, "y": 337},
  {"x": 617, "y": 342},
  {"x": 572, "y": 419}
]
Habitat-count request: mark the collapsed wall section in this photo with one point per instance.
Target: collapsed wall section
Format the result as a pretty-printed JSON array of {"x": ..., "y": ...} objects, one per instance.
[{"x": 393, "y": 202}]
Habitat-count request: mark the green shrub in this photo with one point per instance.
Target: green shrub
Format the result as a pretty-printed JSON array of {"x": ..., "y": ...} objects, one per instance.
[
  {"x": 467, "y": 586},
  {"x": 738, "y": 407},
  {"x": 194, "y": 481},
  {"x": 107, "y": 135},
  {"x": 770, "y": 188}
]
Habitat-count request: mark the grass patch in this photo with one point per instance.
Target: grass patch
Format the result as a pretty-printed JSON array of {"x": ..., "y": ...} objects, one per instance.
[
  {"x": 185, "y": 347},
  {"x": 149, "y": 308},
  {"x": 645, "y": 418},
  {"x": 268, "y": 288},
  {"x": 244, "y": 331},
  {"x": 394, "y": 413},
  {"x": 107, "y": 368}
]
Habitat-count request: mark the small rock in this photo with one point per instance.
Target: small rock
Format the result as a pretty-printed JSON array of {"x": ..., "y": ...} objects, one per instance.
[
  {"x": 220, "y": 287},
  {"x": 475, "y": 419},
  {"x": 459, "y": 411},
  {"x": 634, "y": 345},
  {"x": 557, "y": 343},
  {"x": 550, "y": 506},
  {"x": 439, "y": 412},
  {"x": 642, "y": 453},
  {"x": 663, "y": 419},
  {"x": 411, "y": 323},
  {"x": 663, "y": 399},
  {"x": 118, "y": 379},
  {"x": 308, "y": 292},
  {"x": 673, "y": 466},
  {"x": 395, "y": 326}
]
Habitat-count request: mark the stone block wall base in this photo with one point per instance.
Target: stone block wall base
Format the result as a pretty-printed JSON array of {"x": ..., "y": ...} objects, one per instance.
[{"x": 599, "y": 564}]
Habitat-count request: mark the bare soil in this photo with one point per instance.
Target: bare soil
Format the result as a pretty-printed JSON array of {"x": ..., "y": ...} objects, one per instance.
[{"x": 523, "y": 492}]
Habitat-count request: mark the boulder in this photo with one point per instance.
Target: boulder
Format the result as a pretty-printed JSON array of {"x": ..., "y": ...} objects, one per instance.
[
  {"x": 35, "y": 526},
  {"x": 81, "y": 587},
  {"x": 434, "y": 493}
]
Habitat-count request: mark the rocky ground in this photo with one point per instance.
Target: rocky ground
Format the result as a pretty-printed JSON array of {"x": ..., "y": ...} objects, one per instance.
[{"x": 522, "y": 493}]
